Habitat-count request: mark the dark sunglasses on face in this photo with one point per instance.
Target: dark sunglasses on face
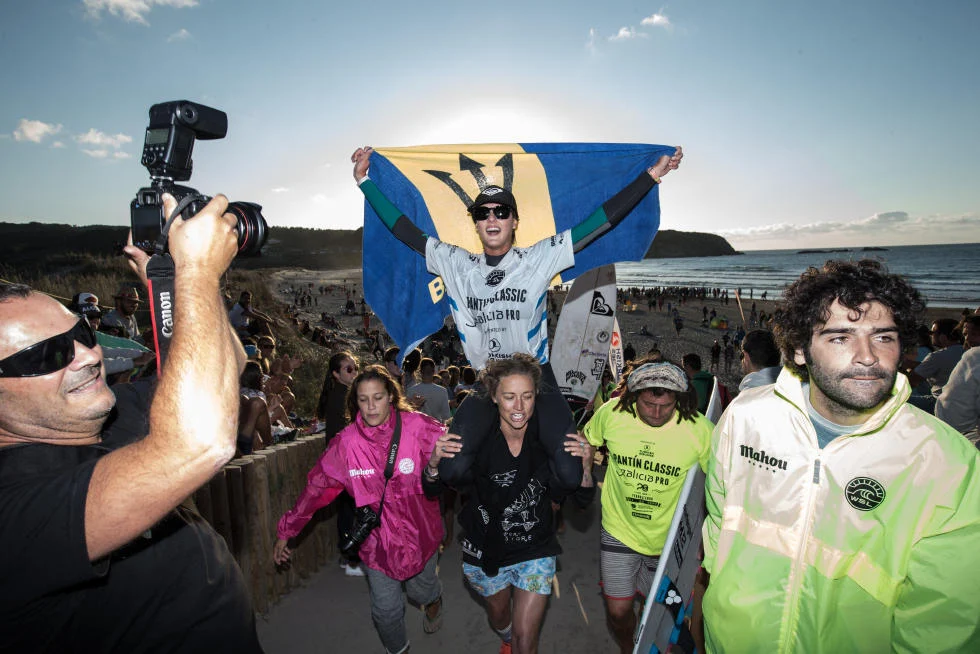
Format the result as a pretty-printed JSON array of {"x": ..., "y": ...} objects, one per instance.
[
  {"x": 350, "y": 369},
  {"x": 502, "y": 212},
  {"x": 50, "y": 355}
]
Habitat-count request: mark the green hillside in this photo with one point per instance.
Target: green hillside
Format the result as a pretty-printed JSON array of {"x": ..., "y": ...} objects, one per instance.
[{"x": 30, "y": 245}]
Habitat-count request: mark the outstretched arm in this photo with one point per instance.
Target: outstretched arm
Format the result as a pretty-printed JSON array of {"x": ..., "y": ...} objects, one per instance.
[
  {"x": 612, "y": 212},
  {"x": 397, "y": 223},
  {"x": 321, "y": 490}
]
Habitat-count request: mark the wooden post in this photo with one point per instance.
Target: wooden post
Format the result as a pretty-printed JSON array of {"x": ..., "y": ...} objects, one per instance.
[
  {"x": 202, "y": 500},
  {"x": 234, "y": 475},
  {"x": 316, "y": 544},
  {"x": 326, "y": 529},
  {"x": 271, "y": 454},
  {"x": 219, "y": 505},
  {"x": 286, "y": 500},
  {"x": 261, "y": 531}
]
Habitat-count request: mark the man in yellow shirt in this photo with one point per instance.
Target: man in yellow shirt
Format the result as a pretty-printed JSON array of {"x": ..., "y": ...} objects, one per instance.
[{"x": 654, "y": 435}]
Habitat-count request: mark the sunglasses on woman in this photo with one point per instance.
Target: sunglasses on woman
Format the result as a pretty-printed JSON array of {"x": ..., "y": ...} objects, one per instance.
[
  {"x": 50, "y": 355},
  {"x": 502, "y": 212}
]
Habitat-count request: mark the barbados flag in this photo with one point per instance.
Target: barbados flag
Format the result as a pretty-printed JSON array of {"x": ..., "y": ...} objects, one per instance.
[{"x": 556, "y": 185}]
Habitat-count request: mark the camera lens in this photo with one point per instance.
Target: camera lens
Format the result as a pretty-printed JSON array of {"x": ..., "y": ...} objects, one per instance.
[{"x": 252, "y": 228}]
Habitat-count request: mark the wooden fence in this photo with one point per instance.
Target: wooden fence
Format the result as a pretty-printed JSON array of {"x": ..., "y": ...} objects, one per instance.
[{"x": 244, "y": 502}]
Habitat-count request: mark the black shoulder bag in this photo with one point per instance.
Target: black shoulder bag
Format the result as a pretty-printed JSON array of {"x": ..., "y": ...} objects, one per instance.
[{"x": 365, "y": 519}]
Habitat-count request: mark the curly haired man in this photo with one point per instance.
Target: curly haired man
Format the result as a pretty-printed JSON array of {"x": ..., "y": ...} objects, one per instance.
[{"x": 840, "y": 517}]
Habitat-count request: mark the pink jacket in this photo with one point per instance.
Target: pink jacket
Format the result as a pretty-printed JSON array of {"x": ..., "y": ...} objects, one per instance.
[{"x": 411, "y": 525}]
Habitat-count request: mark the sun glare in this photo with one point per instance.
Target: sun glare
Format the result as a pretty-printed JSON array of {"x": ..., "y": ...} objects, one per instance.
[{"x": 491, "y": 121}]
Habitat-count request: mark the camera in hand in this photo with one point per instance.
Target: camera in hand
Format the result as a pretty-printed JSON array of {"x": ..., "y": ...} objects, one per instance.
[
  {"x": 365, "y": 520},
  {"x": 167, "y": 149}
]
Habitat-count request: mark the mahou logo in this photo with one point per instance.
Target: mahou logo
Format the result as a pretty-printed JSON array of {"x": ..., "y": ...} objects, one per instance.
[{"x": 864, "y": 493}]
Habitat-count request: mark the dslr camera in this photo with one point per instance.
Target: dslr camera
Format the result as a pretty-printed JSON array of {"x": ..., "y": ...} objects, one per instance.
[
  {"x": 365, "y": 520},
  {"x": 167, "y": 149}
]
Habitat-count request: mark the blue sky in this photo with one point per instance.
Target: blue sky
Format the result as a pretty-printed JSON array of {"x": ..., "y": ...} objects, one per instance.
[{"x": 804, "y": 124}]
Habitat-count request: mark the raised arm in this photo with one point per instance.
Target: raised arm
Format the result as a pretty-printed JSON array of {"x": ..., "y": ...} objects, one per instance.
[
  {"x": 194, "y": 415},
  {"x": 612, "y": 212},
  {"x": 397, "y": 223}
]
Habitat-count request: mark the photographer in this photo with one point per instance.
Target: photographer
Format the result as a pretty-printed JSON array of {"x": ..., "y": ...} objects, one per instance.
[
  {"x": 403, "y": 547},
  {"x": 98, "y": 556}
]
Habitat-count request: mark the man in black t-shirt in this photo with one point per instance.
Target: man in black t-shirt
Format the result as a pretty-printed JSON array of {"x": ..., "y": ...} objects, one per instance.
[{"x": 98, "y": 556}]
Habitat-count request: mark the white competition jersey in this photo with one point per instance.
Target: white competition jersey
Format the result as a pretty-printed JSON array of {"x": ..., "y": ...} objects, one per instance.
[{"x": 501, "y": 310}]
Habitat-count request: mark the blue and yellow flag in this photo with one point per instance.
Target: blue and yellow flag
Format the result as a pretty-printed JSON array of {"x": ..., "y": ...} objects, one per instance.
[{"x": 556, "y": 185}]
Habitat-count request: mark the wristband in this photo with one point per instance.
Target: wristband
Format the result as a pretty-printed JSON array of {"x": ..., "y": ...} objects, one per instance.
[
  {"x": 362, "y": 180},
  {"x": 429, "y": 474}
]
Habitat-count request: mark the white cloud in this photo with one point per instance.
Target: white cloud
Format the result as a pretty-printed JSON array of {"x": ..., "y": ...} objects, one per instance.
[
  {"x": 590, "y": 44},
  {"x": 626, "y": 33},
  {"x": 893, "y": 225},
  {"x": 319, "y": 198},
  {"x": 629, "y": 32},
  {"x": 97, "y": 154},
  {"x": 95, "y": 137},
  {"x": 34, "y": 130},
  {"x": 121, "y": 155},
  {"x": 280, "y": 189},
  {"x": 179, "y": 35},
  {"x": 656, "y": 20},
  {"x": 133, "y": 11},
  {"x": 58, "y": 144}
]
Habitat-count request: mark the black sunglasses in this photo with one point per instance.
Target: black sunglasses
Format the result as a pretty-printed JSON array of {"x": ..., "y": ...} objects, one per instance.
[
  {"x": 49, "y": 355},
  {"x": 502, "y": 212}
]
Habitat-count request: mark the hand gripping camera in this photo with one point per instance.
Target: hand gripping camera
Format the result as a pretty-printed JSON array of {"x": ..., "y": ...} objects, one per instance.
[{"x": 167, "y": 149}]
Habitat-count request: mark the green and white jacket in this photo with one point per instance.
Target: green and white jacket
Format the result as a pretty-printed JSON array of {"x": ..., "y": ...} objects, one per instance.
[{"x": 871, "y": 544}]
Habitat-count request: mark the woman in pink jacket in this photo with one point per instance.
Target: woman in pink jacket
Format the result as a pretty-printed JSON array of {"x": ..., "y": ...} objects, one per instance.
[{"x": 403, "y": 547}]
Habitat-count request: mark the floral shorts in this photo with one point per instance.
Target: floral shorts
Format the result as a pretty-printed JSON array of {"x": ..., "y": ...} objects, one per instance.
[{"x": 533, "y": 576}]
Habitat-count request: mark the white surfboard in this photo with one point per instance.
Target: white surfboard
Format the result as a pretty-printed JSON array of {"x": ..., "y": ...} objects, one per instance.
[
  {"x": 585, "y": 327},
  {"x": 616, "y": 362},
  {"x": 668, "y": 606},
  {"x": 713, "y": 412}
]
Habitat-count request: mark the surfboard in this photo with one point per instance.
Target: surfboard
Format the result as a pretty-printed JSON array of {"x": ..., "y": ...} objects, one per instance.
[
  {"x": 616, "y": 362},
  {"x": 667, "y": 612},
  {"x": 713, "y": 412},
  {"x": 584, "y": 333}
]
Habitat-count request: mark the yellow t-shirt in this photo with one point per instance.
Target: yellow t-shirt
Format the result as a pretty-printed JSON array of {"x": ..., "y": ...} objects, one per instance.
[{"x": 646, "y": 471}]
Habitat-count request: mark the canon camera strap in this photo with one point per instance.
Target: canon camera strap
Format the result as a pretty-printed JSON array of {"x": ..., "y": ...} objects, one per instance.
[
  {"x": 160, "y": 283},
  {"x": 392, "y": 455}
]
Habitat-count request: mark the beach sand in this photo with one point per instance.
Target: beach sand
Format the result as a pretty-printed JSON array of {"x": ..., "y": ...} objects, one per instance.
[{"x": 693, "y": 337}]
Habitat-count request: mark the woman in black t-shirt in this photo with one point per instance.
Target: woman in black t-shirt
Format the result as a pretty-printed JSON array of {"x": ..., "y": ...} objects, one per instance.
[{"x": 509, "y": 544}]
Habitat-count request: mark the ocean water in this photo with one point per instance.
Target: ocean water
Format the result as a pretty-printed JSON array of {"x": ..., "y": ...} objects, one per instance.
[{"x": 947, "y": 275}]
